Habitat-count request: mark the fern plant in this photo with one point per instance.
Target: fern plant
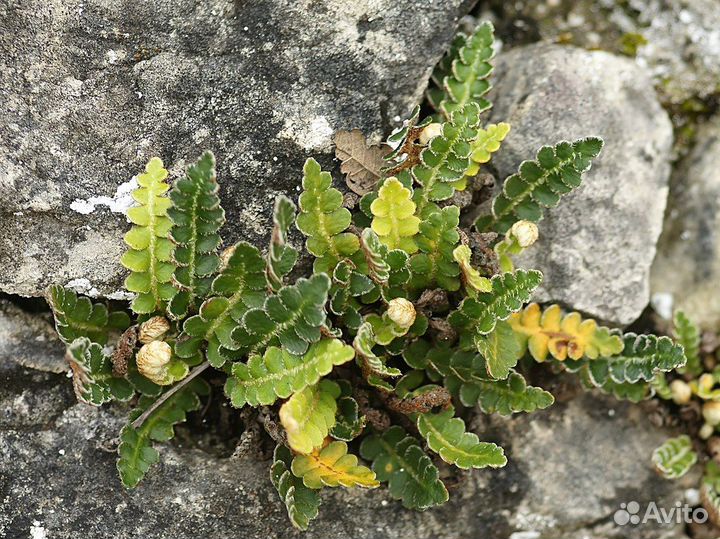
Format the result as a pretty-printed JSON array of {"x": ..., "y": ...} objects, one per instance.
[{"x": 399, "y": 332}]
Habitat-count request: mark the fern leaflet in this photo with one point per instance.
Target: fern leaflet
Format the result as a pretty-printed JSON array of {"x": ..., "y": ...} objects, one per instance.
[
  {"x": 332, "y": 466},
  {"x": 539, "y": 184},
  {"x": 279, "y": 374},
  {"x": 197, "y": 216},
  {"x": 398, "y": 459},
  {"x": 309, "y": 415},
  {"x": 302, "y": 503},
  {"x": 446, "y": 436},
  {"x": 78, "y": 317},
  {"x": 149, "y": 258},
  {"x": 292, "y": 318},
  {"x": 136, "y": 453},
  {"x": 323, "y": 219},
  {"x": 240, "y": 285}
]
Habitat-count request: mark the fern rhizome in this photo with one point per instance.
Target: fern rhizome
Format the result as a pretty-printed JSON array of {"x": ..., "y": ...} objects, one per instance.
[{"x": 408, "y": 320}]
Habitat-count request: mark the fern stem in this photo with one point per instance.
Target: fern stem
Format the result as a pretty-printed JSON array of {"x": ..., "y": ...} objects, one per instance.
[
  {"x": 152, "y": 248},
  {"x": 165, "y": 396}
]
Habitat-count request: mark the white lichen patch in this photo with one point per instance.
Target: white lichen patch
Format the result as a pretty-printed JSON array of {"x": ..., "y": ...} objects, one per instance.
[
  {"x": 313, "y": 136},
  {"x": 85, "y": 287},
  {"x": 38, "y": 531},
  {"x": 122, "y": 295},
  {"x": 82, "y": 286},
  {"x": 118, "y": 203}
]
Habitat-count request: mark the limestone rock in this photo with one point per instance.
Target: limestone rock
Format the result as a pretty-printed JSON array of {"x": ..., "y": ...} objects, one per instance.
[
  {"x": 677, "y": 40},
  {"x": 90, "y": 91},
  {"x": 570, "y": 467},
  {"x": 687, "y": 267},
  {"x": 597, "y": 245}
]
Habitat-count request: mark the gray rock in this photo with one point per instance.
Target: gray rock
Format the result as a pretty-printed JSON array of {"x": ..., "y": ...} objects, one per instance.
[
  {"x": 682, "y": 49},
  {"x": 687, "y": 267},
  {"x": 570, "y": 468},
  {"x": 583, "y": 458},
  {"x": 597, "y": 246},
  {"x": 30, "y": 340},
  {"x": 90, "y": 91}
]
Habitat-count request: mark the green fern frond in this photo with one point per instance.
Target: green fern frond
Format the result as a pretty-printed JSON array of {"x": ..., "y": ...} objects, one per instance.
[
  {"x": 466, "y": 376},
  {"x": 443, "y": 360},
  {"x": 279, "y": 374},
  {"x": 240, "y": 286},
  {"x": 197, "y": 216},
  {"x": 281, "y": 257},
  {"x": 376, "y": 256},
  {"x": 77, "y": 317},
  {"x": 301, "y": 502},
  {"x": 399, "y": 263},
  {"x": 292, "y": 318},
  {"x": 393, "y": 216},
  {"x": 642, "y": 357},
  {"x": 434, "y": 265},
  {"x": 446, "y": 436},
  {"x": 675, "y": 457},
  {"x": 687, "y": 334},
  {"x": 149, "y": 258},
  {"x": 309, "y": 414},
  {"x": 136, "y": 453},
  {"x": 348, "y": 283},
  {"x": 477, "y": 317},
  {"x": 398, "y": 459},
  {"x": 540, "y": 184},
  {"x": 93, "y": 380},
  {"x": 435, "y": 93},
  {"x": 446, "y": 158},
  {"x": 633, "y": 392},
  {"x": 507, "y": 396},
  {"x": 485, "y": 144},
  {"x": 501, "y": 350},
  {"x": 323, "y": 219},
  {"x": 467, "y": 82}
]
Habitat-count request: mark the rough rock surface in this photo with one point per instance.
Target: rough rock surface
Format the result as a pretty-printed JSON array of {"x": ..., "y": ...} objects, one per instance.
[
  {"x": 597, "y": 245},
  {"x": 570, "y": 468},
  {"x": 90, "y": 90},
  {"x": 30, "y": 340},
  {"x": 687, "y": 266},
  {"x": 681, "y": 37}
]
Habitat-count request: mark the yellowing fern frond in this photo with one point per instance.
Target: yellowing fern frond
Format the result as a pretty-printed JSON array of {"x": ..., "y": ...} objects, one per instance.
[
  {"x": 149, "y": 257},
  {"x": 393, "y": 219},
  {"x": 332, "y": 466},
  {"x": 486, "y": 143},
  {"x": 562, "y": 337}
]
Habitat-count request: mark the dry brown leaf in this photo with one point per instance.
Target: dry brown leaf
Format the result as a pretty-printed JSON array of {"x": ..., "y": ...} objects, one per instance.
[
  {"x": 124, "y": 350},
  {"x": 360, "y": 163}
]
